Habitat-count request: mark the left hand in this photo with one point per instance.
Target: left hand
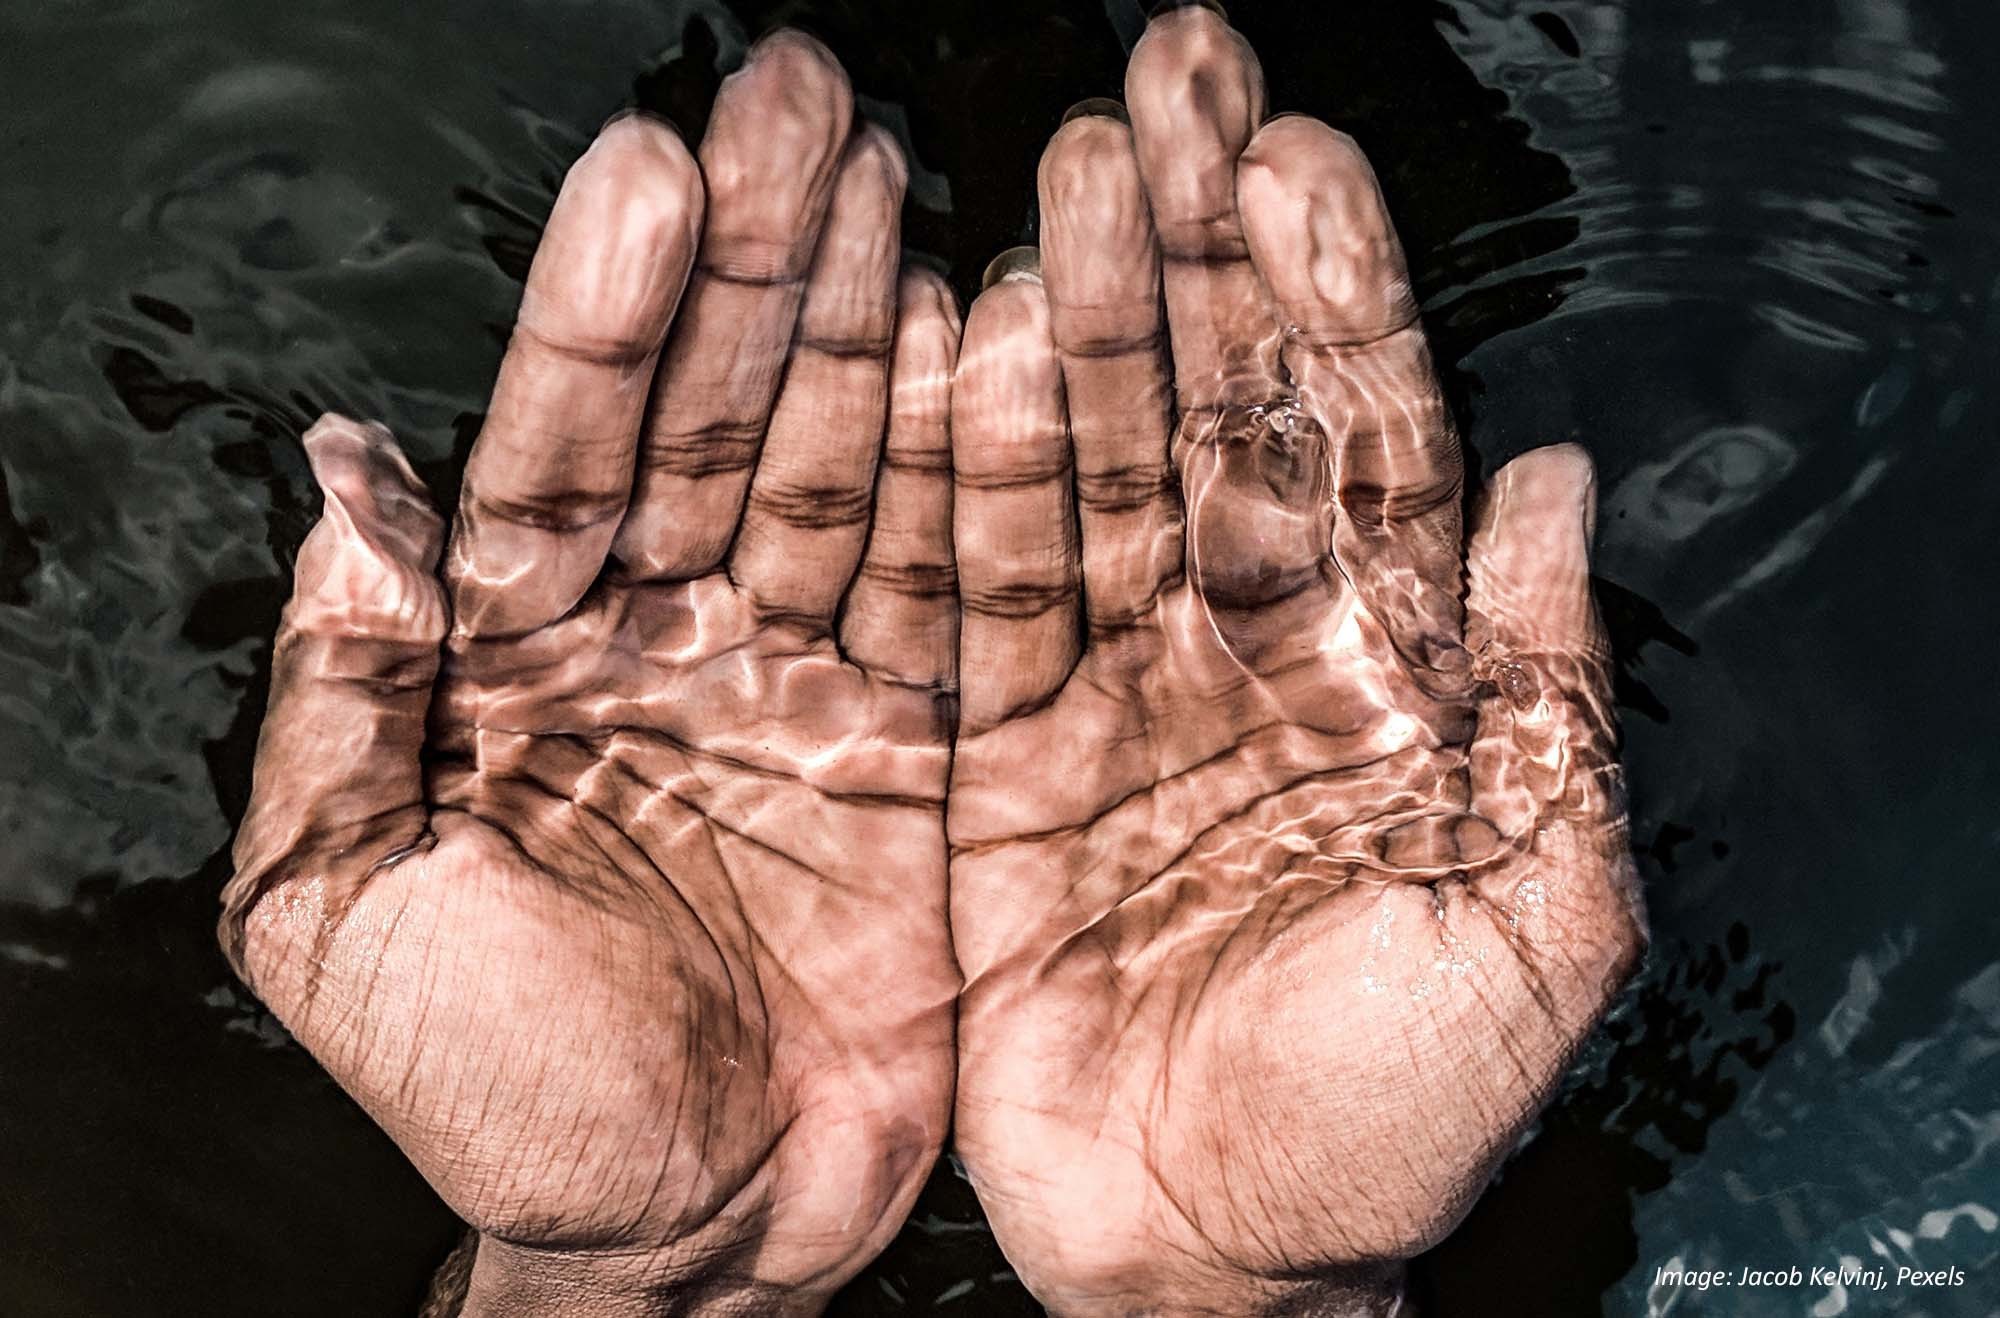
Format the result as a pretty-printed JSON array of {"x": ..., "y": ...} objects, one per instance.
[{"x": 622, "y": 909}]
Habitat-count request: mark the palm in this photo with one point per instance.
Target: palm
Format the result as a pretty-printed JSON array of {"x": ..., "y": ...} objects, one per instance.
[
  {"x": 1252, "y": 957},
  {"x": 698, "y": 908},
  {"x": 1286, "y": 870},
  {"x": 608, "y": 872}
]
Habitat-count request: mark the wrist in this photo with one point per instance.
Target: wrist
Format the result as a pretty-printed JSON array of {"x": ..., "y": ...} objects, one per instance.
[
  {"x": 508, "y": 1281},
  {"x": 1356, "y": 1291}
]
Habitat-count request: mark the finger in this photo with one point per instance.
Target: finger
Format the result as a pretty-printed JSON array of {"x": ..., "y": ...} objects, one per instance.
[
  {"x": 1101, "y": 265},
  {"x": 807, "y": 515},
  {"x": 1546, "y": 734},
  {"x": 1196, "y": 94},
  {"x": 1013, "y": 529},
  {"x": 1321, "y": 236},
  {"x": 773, "y": 147},
  {"x": 901, "y": 616},
  {"x": 548, "y": 478},
  {"x": 1545, "y": 760},
  {"x": 1530, "y": 555},
  {"x": 338, "y": 787}
]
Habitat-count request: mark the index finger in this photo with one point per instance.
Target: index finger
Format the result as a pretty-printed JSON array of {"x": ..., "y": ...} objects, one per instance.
[{"x": 551, "y": 472}]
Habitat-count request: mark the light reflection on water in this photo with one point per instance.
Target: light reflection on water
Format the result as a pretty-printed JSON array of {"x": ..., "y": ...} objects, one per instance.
[
  {"x": 1776, "y": 344},
  {"x": 1741, "y": 252}
]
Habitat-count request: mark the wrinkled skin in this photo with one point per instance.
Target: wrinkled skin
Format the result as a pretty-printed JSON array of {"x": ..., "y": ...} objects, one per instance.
[
  {"x": 1288, "y": 864},
  {"x": 587, "y": 850},
  {"x": 598, "y": 847}
]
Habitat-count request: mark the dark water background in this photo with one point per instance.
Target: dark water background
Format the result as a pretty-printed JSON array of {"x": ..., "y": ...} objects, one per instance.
[{"x": 1745, "y": 251}]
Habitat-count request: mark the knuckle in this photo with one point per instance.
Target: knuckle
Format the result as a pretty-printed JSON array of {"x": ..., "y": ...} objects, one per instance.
[
  {"x": 557, "y": 510},
  {"x": 1017, "y": 600},
  {"x": 806, "y": 506}
]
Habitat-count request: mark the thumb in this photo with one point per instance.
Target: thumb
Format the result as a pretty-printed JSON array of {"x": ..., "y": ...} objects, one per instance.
[
  {"x": 1545, "y": 758},
  {"x": 338, "y": 787},
  {"x": 1547, "y": 744},
  {"x": 1530, "y": 555}
]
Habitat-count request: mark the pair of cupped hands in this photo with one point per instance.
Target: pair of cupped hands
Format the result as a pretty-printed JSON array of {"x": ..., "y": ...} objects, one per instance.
[{"x": 1091, "y": 730}]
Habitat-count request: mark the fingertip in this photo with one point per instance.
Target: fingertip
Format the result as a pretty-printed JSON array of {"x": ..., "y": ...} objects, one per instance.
[
  {"x": 801, "y": 60},
  {"x": 1006, "y": 398},
  {"x": 366, "y": 568},
  {"x": 1297, "y": 156},
  {"x": 1568, "y": 463},
  {"x": 1168, "y": 6},
  {"x": 927, "y": 327},
  {"x": 1530, "y": 551},
  {"x": 1192, "y": 70},
  {"x": 1015, "y": 264},
  {"x": 1555, "y": 485},
  {"x": 1100, "y": 257},
  {"x": 776, "y": 136},
  {"x": 642, "y": 157},
  {"x": 636, "y": 128},
  {"x": 1089, "y": 170},
  {"x": 1014, "y": 309},
  {"x": 800, "y": 85},
  {"x": 1007, "y": 341},
  {"x": 867, "y": 203},
  {"x": 883, "y": 155},
  {"x": 850, "y": 298},
  {"x": 920, "y": 376},
  {"x": 360, "y": 466},
  {"x": 615, "y": 254},
  {"x": 865, "y": 213},
  {"x": 1097, "y": 107},
  {"x": 336, "y": 445},
  {"x": 1290, "y": 132},
  {"x": 1320, "y": 233},
  {"x": 1184, "y": 37},
  {"x": 922, "y": 292}
]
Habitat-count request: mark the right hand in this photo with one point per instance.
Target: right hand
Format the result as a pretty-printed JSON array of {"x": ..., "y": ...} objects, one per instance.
[
  {"x": 1286, "y": 875},
  {"x": 626, "y": 920}
]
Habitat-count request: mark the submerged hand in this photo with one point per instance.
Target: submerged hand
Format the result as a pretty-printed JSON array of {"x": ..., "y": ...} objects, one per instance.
[
  {"x": 615, "y": 890},
  {"x": 1284, "y": 885}
]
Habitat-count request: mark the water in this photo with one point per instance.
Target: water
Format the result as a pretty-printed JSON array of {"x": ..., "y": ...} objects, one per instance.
[{"x": 1744, "y": 252}]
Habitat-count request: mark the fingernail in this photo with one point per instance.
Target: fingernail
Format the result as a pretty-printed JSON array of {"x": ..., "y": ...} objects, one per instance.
[
  {"x": 638, "y": 112},
  {"x": 1014, "y": 263},
  {"x": 778, "y": 35},
  {"x": 1169, "y": 6},
  {"x": 1097, "y": 107}
]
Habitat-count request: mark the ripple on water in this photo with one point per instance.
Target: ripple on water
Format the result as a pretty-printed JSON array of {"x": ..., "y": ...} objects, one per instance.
[
  {"x": 1751, "y": 277},
  {"x": 1766, "y": 320}
]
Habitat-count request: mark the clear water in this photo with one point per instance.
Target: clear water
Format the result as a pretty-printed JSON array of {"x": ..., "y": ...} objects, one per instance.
[{"x": 1744, "y": 251}]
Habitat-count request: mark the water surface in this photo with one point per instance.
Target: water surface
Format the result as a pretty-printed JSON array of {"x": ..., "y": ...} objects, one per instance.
[{"x": 1744, "y": 252}]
